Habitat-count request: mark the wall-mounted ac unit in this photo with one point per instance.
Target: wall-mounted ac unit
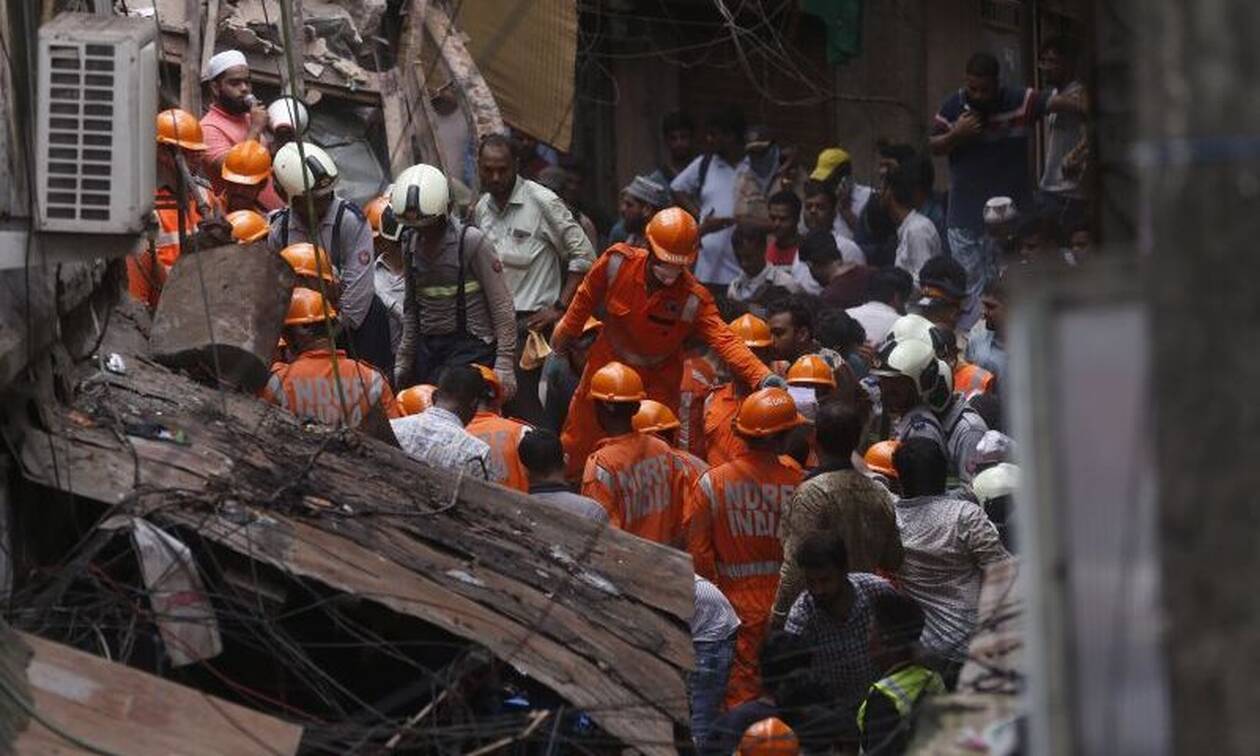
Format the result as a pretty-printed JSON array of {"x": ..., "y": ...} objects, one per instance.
[{"x": 96, "y": 103}]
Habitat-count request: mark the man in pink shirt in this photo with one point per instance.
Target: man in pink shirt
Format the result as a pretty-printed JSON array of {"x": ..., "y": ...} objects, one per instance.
[{"x": 235, "y": 115}]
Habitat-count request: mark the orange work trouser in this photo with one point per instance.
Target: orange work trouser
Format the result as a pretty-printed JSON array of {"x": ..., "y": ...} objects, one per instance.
[
  {"x": 753, "y": 608},
  {"x": 581, "y": 430}
]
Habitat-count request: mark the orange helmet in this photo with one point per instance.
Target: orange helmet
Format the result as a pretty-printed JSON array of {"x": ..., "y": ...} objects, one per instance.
[
  {"x": 616, "y": 382},
  {"x": 247, "y": 162},
  {"x": 309, "y": 260},
  {"x": 769, "y": 737},
  {"x": 180, "y": 128},
  {"x": 752, "y": 330},
  {"x": 492, "y": 381},
  {"x": 879, "y": 458},
  {"x": 767, "y": 412},
  {"x": 248, "y": 226},
  {"x": 374, "y": 208},
  {"x": 654, "y": 417},
  {"x": 591, "y": 324},
  {"x": 811, "y": 370},
  {"x": 674, "y": 236},
  {"x": 416, "y": 399},
  {"x": 308, "y": 306}
]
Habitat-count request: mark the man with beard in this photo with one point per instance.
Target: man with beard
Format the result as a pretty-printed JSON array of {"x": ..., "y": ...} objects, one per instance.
[
  {"x": 984, "y": 128},
  {"x": 640, "y": 200},
  {"x": 235, "y": 116}
]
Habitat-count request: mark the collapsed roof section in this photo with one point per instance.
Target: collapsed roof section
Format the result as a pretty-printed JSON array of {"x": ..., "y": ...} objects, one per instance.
[{"x": 597, "y": 616}]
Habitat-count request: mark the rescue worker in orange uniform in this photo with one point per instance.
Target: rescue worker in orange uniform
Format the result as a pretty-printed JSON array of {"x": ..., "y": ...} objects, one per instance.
[
  {"x": 699, "y": 379},
  {"x": 632, "y": 475},
  {"x": 733, "y": 526},
  {"x": 179, "y": 138},
  {"x": 879, "y": 465},
  {"x": 323, "y": 384},
  {"x": 811, "y": 380},
  {"x": 721, "y": 442},
  {"x": 502, "y": 434},
  {"x": 311, "y": 264},
  {"x": 247, "y": 226},
  {"x": 244, "y": 175},
  {"x": 655, "y": 418},
  {"x": 650, "y": 304}
]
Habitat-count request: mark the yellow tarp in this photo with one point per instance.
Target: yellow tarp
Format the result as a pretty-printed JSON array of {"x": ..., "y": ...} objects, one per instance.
[{"x": 526, "y": 50}]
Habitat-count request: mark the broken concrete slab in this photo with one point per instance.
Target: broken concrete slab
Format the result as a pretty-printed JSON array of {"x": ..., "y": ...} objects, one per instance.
[{"x": 247, "y": 291}]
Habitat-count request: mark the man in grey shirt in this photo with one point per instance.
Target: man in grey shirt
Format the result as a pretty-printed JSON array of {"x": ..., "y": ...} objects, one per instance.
[
  {"x": 543, "y": 456},
  {"x": 948, "y": 542}
]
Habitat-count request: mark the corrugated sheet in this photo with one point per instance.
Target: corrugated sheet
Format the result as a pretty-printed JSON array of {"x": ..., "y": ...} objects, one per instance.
[{"x": 527, "y": 50}]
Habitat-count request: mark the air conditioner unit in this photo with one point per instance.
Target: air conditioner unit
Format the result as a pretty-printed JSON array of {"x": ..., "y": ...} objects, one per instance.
[{"x": 96, "y": 103}]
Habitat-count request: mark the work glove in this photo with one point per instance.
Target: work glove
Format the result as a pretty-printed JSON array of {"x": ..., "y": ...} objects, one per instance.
[
  {"x": 773, "y": 380},
  {"x": 507, "y": 378}
]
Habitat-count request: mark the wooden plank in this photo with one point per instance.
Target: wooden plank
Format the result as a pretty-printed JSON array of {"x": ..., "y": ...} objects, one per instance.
[
  {"x": 189, "y": 73},
  {"x": 598, "y": 616},
  {"x": 125, "y": 710},
  {"x": 212, "y": 32},
  {"x": 341, "y": 564}
]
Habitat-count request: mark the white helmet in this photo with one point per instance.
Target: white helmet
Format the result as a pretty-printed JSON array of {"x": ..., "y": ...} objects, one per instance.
[
  {"x": 318, "y": 175},
  {"x": 919, "y": 328},
  {"x": 995, "y": 482},
  {"x": 917, "y": 361},
  {"x": 420, "y": 196},
  {"x": 288, "y": 113}
]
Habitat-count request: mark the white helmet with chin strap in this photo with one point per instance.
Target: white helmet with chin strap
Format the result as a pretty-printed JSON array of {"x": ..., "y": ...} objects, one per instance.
[
  {"x": 420, "y": 196},
  {"x": 915, "y": 359},
  {"x": 318, "y": 174},
  {"x": 917, "y": 327}
]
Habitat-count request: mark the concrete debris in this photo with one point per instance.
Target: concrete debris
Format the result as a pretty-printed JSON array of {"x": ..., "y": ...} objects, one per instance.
[{"x": 248, "y": 292}]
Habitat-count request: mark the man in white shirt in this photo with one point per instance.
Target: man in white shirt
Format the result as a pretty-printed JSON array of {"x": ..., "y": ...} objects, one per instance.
[
  {"x": 543, "y": 250},
  {"x": 917, "y": 238},
  {"x": 757, "y": 277},
  {"x": 889, "y": 290},
  {"x": 820, "y": 215},
  {"x": 706, "y": 188},
  {"x": 437, "y": 436},
  {"x": 835, "y": 169}
]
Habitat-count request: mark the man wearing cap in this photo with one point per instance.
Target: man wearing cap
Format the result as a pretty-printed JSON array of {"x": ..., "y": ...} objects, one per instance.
[
  {"x": 984, "y": 128},
  {"x": 835, "y": 169},
  {"x": 235, "y": 115},
  {"x": 640, "y": 200}
]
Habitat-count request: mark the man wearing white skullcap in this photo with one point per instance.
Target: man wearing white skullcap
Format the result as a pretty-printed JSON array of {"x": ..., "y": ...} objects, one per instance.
[{"x": 235, "y": 116}]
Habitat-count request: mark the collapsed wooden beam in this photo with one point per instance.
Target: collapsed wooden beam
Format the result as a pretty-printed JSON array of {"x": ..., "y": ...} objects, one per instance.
[{"x": 598, "y": 616}]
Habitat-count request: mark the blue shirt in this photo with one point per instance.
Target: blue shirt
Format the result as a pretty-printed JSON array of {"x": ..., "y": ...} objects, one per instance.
[
  {"x": 994, "y": 164},
  {"x": 984, "y": 349}
]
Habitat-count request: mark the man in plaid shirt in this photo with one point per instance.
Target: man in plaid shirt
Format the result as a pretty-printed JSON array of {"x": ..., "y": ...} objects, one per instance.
[{"x": 834, "y": 616}]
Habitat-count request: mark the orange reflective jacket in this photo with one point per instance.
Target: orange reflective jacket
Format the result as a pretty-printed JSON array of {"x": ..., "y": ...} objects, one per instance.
[
  {"x": 146, "y": 274},
  {"x": 732, "y": 534},
  {"x": 504, "y": 436},
  {"x": 699, "y": 379},
  {"x": 635, "y": 479},
  {"x": 306, "y": 387},
  {"x": 645, "y": 331},
  {"x": 722, "y": 443},
  {"x": 970, "y": 379}
]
